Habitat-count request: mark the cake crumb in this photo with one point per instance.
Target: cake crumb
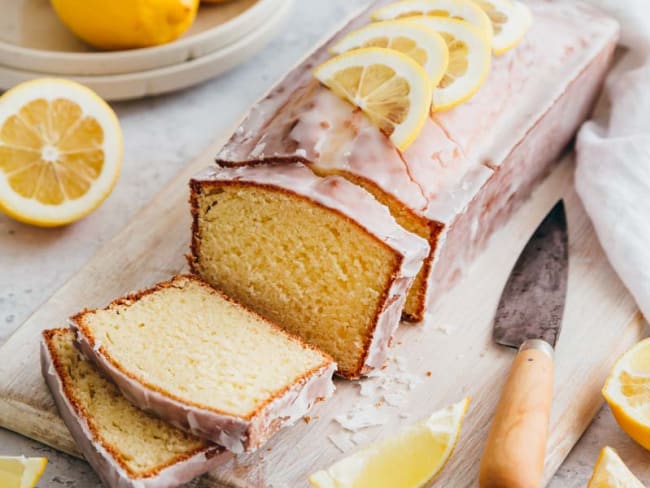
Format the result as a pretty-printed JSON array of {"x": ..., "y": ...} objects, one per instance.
[
  {"x": 307, "y": 418},
  {"x": 429, "y": 374}
]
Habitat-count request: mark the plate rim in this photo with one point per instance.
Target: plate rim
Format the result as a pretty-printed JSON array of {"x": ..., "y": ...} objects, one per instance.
[
  {"x": 27, "y": 58},
  {"x": 255, "y": 40}
]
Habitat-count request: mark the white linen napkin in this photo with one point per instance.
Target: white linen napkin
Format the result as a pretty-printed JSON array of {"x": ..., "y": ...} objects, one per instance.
[{"x": 613, "y": 155}]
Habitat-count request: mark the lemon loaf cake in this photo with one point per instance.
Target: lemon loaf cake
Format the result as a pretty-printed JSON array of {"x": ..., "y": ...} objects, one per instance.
[
  {"x": 127, "y": 447},
  {"x": 320, "y": 256},
  {"x": 204, "y": 363},
  {"x": 470, "y": 166}
]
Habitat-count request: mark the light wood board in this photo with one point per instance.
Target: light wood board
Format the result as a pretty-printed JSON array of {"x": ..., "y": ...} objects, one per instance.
[{"x": 601, "y": 321}]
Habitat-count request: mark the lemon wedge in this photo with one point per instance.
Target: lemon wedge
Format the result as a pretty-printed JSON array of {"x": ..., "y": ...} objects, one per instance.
[
  {"x": 60, "y": 151},
  {"x": 510, "y": 22},
  {"x": 469, "y": 60},
  {"x": 611, "y": 472},
  {"x": 422, "y": 44},
  {"x": 455, "y": 9},
  {"x": 407, "y": 460},
  {"x": 389, "y": 87},
  {"x": 20, "y": 471},
  {"x": 627, "y": 391}
]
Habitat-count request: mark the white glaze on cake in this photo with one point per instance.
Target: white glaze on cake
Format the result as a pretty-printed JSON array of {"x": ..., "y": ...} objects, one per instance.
[
  {"x": 460, "y": 153},
  {"x": 103, "y": 462},
  {"x": 339, "y": 194},
  {"x": 234, "y": 433}
]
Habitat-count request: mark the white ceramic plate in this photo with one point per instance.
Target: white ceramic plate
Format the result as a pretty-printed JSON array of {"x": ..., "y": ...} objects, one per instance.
[
  {"x": 32, "y": 38},
  {"x": 169, "y": 78}
]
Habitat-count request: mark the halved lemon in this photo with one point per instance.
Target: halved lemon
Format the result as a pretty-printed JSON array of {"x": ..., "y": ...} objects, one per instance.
[
  {"x": 510, "y": 21},
  {"x": 454, "y": 9},
  {"x": 20, "y": 471},
  {"x": 389, "y": 87},
  {"x": 469, "y": 60},
  {"x": 627, "y": 390},
  {"x": 422, "y": 44},
  {"x": 60, "y": 151},
  {"x": 409, "y": 459},
  {"x": 611, "y": 472}
]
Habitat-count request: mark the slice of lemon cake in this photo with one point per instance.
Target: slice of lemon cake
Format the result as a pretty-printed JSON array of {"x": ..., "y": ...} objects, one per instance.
[
  {"x": 320, "y": 256},
  {"x": 470, "y": 166},
  {"x": 127, "y": 447},
  {"x": 205, "y": 363}
]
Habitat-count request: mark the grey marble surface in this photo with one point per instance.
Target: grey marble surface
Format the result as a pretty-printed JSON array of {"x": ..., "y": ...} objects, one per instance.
[{"x": 161, "y": 135}]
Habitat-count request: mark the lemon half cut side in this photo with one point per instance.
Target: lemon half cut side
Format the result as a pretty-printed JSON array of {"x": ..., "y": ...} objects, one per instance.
[{"x": 60, "y": 151}]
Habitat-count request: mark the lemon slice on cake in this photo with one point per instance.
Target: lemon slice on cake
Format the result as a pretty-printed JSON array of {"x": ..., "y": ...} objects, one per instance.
[
  {"x": 409, "y": 459},
  {"x": 60, "y": 151},
  {"x": 469, "y": 60},
  {"x": 422, "y": 44},
  {"x": 611, "y": 472},
  {"x": 389, "y": 87},
  {"x": 510, "y": 21},
  {"x": 20, "y": 471},
  {"x": 454, "y": 9},
  {"x": 627, "y": 391}
]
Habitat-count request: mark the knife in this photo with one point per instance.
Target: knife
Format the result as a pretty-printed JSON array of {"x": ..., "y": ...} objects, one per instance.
[{"x": 529, "y": 318}]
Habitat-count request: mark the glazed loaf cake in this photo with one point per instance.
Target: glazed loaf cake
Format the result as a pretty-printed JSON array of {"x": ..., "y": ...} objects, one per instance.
[
  {"x": 320, "y": 256},
  {"x": 470, "y": 166},
  {"x": 127, "y": 447},
  {"x": 204, "y": 363}
]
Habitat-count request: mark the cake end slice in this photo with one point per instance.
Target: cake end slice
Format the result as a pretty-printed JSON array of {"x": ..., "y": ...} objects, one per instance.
[{"x": 127, "y": 447}]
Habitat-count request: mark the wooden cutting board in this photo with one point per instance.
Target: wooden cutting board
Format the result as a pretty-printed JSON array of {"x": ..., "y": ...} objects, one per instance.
[{"x": 449, "y": 357}]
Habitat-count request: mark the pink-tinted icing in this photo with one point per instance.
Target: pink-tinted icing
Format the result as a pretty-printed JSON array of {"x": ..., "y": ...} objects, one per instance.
[
  {"x": 339, "y": 194},
  {"x": 455, "y": 146},
  {"x": 453, "y": 165},
  {"x": 319, "y": 127},
  {"x": 234, "y": 433},
  {"x": 111, "y": 473}
]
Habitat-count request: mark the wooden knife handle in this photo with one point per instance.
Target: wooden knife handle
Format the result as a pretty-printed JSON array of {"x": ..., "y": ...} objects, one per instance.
[{"x": 514, "y": 453}]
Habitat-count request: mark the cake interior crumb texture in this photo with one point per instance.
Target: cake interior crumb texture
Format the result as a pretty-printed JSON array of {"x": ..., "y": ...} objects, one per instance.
[
  {"x": 188, "y": 340},
  {"x": 410, "y": 221},
  {"x": 307, "y": 267},
  {"x": 141, "y": 443}
]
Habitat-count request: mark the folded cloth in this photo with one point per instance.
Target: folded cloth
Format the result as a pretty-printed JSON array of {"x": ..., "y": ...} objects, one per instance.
[{"x": 613, "y": 155}]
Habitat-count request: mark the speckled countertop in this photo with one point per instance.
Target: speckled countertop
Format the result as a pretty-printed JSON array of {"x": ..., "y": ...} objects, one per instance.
[{"x": 161, "y": 135}]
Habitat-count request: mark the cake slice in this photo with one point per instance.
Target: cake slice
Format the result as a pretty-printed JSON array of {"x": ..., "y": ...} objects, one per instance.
[
  {"x": 127, "y": 447},
  {"x": 204, "y": 363},
  {"x": 320, "y": 256},
  {"x": 470, "y": 166}
]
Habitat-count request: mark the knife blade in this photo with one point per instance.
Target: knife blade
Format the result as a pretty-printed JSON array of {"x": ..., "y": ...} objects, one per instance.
[{"x": 528, "y": 317}]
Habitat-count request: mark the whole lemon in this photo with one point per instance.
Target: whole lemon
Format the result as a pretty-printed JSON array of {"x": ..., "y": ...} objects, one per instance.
[{"x": 126, "y": 24}]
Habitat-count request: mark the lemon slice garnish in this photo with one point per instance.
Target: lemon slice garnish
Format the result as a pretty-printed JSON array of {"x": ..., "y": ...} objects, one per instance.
[
  {"x": 421, "y": 43},
  {"x": 60, "y": 151},
  {"x": 611, "y": 472},
  {"x": 389, "y": 87},
  {"x": 454, "y": 9},
  {"x": 627, "y": 391},
  {"x": 410, "y": 458},
  {"x": 20, "y": 471},
  {"x": 469, "y": 60},
  {"x": 510, "y": 21}
]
